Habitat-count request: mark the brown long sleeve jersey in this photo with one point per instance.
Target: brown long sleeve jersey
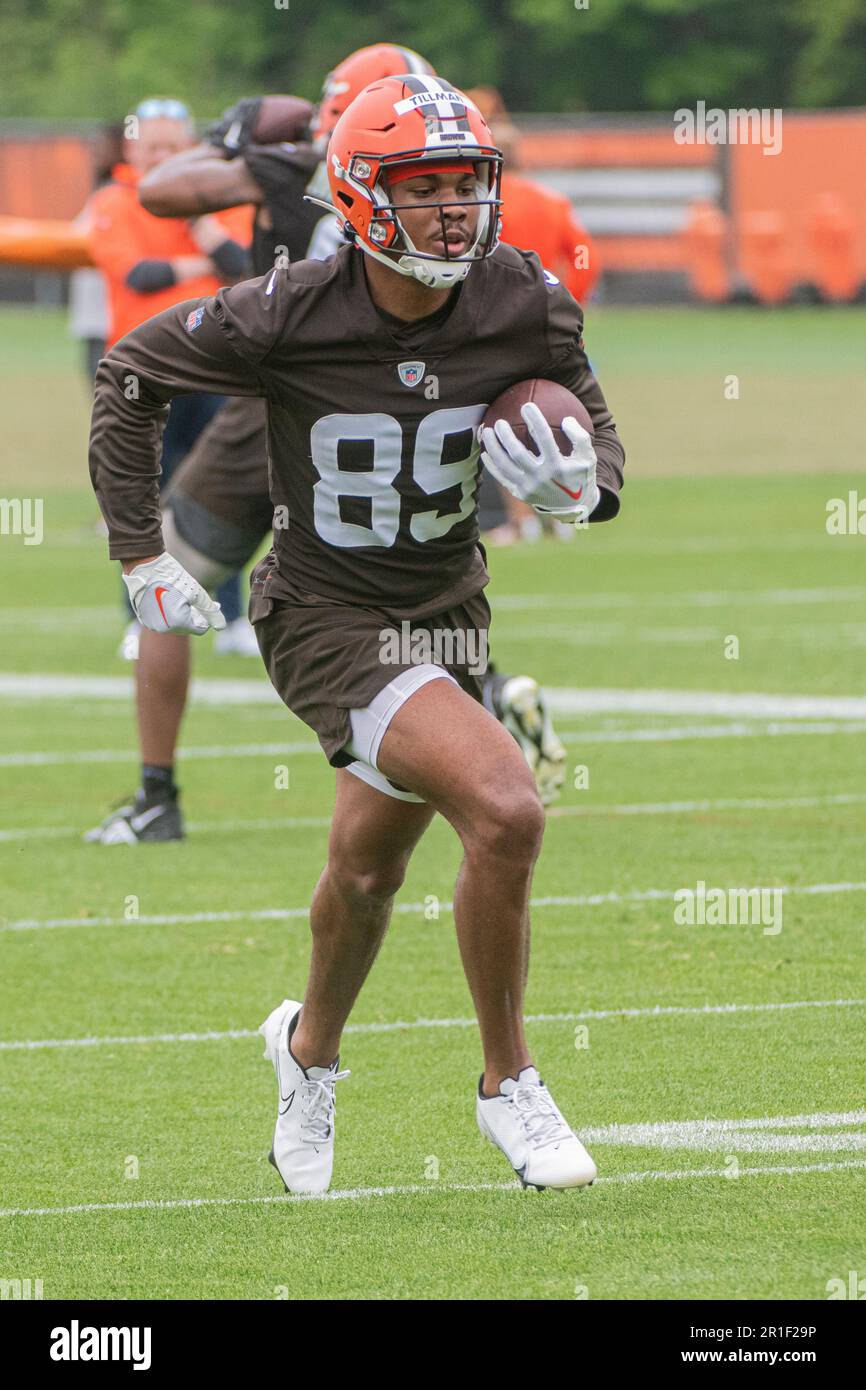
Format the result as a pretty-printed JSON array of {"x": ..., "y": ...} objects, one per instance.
[{"x": 373, "y": 456}]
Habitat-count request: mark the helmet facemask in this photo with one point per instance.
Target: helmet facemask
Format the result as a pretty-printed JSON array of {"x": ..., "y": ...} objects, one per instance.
[{"x": 390, "y": 242}]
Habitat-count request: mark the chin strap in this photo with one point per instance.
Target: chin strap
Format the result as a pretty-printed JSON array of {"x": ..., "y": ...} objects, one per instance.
[
  {"x": 439, "y": 279},
  {"x": 434, "y": 275}
]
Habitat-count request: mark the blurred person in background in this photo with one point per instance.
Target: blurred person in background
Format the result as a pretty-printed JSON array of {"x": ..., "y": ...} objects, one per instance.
[
  {"x": 88, "y": 295},
  {"x": 536, "y": 219},
  {"x": 151, "y": 263}
]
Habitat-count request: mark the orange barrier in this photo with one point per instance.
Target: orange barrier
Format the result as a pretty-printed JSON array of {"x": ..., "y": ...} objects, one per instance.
[
  {"x": 48, "y": 176},
  {"x": 763, "y": 256},
  {"x": 822, "y": 153},
  {"x": 630, "y": 147},
  {"x": 43, "y": 243},
  {"x": 831, "y": 235},
  {"x": 704, "y": 241}
]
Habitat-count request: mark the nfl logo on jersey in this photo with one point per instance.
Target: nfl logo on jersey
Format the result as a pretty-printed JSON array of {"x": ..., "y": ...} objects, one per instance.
[
  {"x": 194, "y": 318},
  {"x": 410, "y": 373}
]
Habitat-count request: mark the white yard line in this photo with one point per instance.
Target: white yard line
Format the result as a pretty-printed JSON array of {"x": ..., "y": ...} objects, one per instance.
[
  {"x": 358, "y": 1194},
  {"x": 130, "y": 755},
  {"x": 828, "y": 637},
  {"x": 656, "y": 734},
  {"x": 568, "y": 700},
  {"x": 672, "y": 734},
  {"x": 215, "y": 690},
  {"x": 753, "y": 705},
  {"x": 635, "y": 808},
  {"x": 834, "y": 1132},
  {"x": 83, "y": 622},
  {"x": 733, "y": 803},
  {"x": 279, "y": 914},
  {"x": 197, "y": 827},
  {"x": 657, "y": 1011},
  {"x": 712, "y": 598}
]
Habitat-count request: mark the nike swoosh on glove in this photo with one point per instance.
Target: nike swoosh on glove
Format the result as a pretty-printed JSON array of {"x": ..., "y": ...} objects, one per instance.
[
  {"x": 167, "y": 599},
  {"x": 555, "y": 484}
]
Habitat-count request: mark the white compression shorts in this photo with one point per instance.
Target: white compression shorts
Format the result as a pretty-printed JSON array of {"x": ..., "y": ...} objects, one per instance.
[{"x": 369, "y": 726}]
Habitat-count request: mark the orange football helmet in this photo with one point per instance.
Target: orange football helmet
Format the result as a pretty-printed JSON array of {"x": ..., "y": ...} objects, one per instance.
[
  {"x": 356, "y": 72},
  {"x": 399, "y": 127}
]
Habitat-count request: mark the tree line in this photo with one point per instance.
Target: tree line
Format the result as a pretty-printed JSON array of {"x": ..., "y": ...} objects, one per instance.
[{"x": 95, "y": 59}]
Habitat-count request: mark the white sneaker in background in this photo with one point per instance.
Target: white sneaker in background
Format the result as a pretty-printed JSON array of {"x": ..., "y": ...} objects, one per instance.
[
  {"x": 237, "y": 639},
  {"x": 128, "y": 648},
  {"x": 527, "y": 1125},
  {"x": 303, "y": 1150}
]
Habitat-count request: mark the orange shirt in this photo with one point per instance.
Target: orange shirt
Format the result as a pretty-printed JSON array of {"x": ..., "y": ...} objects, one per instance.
[
  {"x": 121, "y": 233},
  {"x": 537, "y": 220}
]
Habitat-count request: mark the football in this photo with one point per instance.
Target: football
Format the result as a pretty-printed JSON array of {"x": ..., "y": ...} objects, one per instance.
[
  {"x": 555, "y": 402},
  {"x": 281, "y": 118}
]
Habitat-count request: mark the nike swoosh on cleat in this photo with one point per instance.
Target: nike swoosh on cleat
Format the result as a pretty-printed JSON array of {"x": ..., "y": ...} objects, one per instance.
[{"x": 284, "y": 1109}]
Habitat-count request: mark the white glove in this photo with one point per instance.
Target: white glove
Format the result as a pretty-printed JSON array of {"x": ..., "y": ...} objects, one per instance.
[
  {"x": 562, "y": 486},
  {"x": 167, "y": 599}
]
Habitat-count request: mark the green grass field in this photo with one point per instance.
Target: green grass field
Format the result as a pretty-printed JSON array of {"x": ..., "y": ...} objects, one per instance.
[{"x": 715, "y": 1072}]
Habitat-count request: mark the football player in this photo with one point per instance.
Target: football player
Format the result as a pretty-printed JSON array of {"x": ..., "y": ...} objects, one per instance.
[
  {"x": 378, "y": 484},
  {"x": 218, "y": 511}
]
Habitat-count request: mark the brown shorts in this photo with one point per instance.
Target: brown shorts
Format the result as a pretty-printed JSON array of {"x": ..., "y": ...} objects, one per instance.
[{"x": 326, "y": 658}]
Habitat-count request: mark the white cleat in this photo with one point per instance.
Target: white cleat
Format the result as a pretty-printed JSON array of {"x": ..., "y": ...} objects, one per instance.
[
  {"x": 525, "y": 1122},
  {"x": 303, "y": 1149},
  {"x": 525, "y": 715},
  {"x": 237, "y": 639}
]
